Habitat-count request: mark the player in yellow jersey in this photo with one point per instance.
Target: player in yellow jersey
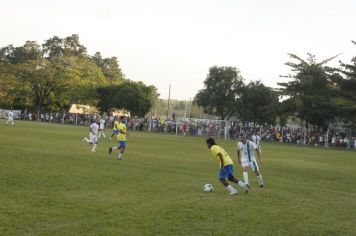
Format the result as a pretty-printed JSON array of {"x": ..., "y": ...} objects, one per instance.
[
  {"x": 115, "y": 130},
  {"x": 226, "y": 167},
  {"x": 121, "y": 137}
]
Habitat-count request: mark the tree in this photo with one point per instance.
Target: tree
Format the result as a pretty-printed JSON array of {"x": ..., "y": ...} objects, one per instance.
[
  {"x": 56, "y": 47},
  {"x": 311, "y": 90},
  {"x": 222, "y": 89},
  {"x": 110, "y": 68},
  {"x": 132, "y": 96},
  {"x": 259, "y": 104},
  {"x": 345, "y": 79},
  {"x": 15, "y": 55}
]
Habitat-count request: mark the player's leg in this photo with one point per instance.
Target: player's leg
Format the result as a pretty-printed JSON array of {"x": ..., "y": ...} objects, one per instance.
[
  {"x": 122, "y": 147},
  {"x": 94, "y": 142},
  {"x": 229, "y": 171},
  {"x": 85, "y": 139},
  {"x": 222, "y": 174},
  {"x": 243, "y": 185},
  {"x": 103, "y": 133},
  {"x": 255, "y": 168},
  {"x": 114, "y": 148},
  {"x": 245, "y": 166}
]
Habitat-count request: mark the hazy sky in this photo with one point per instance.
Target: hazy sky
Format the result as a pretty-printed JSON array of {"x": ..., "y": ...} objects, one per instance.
[{"x": 162, "y": 42}]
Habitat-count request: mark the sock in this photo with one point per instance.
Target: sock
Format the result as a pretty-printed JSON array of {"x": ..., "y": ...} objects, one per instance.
[
  {"x": 94, "y": 147},
  {"x": 245, "y": 174},
  {"x": 104, "y": 135},
  {"x": 229, "y": 187},
  {"x": 114, "y": 148},
  {"x": 99, "y": 135},
  {"x": 120, "y": 155},
  {"x": 86, "y": 139},
  {"x": 260, "y": 180},
  {"x": 241, "y": 184}
]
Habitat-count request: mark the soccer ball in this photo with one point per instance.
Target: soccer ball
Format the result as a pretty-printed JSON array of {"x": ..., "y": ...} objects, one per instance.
[{"x": 208, "y": 188}]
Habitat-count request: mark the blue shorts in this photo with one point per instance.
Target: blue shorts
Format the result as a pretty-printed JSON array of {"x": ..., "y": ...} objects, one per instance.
[
  {"x": 115, "y": 131},
  {"x": 122, "y": 144},
  {"x": 227, "y": 173}
]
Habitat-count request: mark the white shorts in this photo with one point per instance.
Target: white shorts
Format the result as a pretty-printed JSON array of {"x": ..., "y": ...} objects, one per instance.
[
  {"x": 252, "y": 164},
  {"x": 10, "y": 118},
  {"x": 93, "y": 138},
  {"x": 101, "y": 127}
]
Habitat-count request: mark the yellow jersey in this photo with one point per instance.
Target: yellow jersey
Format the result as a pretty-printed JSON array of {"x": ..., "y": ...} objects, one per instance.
[
  {"x": 121, "y": 127},
  {"x": 215, "y": 150},
  {"x": 116, "y": 125}
]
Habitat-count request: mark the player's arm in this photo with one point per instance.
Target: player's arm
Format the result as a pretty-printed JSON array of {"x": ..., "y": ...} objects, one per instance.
[
  {"x": 239, "y": 156},
  {"x": 221, "y": 161}
]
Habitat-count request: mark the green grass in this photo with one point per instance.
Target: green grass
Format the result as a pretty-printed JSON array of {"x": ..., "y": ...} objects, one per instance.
[{"x": 51, "y": 184}]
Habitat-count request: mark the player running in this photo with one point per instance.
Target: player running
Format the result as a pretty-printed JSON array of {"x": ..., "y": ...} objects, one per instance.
[
  {"x": 246, "y": 157},
  {"x": 102, "y": 127},
  {"x": 93, "y": 138},
  {"x": 10, "y": 118},
  {"x": 121, "y": 137},
  {"x": 257, "y": 140},
  {"x": 115, "y": 129},
  {"x": 226, "y": 167}
]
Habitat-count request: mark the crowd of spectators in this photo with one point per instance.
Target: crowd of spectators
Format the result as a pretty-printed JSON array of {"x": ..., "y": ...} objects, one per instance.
[{"x": 215, "y": 128}]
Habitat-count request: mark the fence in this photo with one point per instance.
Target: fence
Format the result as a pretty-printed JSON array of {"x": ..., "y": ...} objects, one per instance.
[{"x": 208, "y": 128}]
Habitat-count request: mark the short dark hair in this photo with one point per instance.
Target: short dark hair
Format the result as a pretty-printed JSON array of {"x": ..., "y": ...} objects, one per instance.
[{"x": 210, "y": 141}]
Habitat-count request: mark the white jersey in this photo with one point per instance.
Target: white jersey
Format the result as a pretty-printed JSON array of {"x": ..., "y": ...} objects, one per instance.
[
  {"x": 256, "y": 139},
  {"x": 94, "y": 128},
  {"x": 10, "y": 116},
  {"x": 247, "y": 151},
  {"x": 102, "y": 123}
]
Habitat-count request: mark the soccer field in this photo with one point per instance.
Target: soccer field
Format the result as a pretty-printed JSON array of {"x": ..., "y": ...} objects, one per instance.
[{"x": 51, "y": 184}]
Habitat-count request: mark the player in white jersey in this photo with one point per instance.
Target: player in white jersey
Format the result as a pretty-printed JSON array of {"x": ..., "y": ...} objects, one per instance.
[
  {"x": 246, "y": 157},
  {"x": 257, "y": 140},
  {"x": 10, "y": 118},
  {"x": 93, "y": 138},
  {"x": 102, "y": 127}
]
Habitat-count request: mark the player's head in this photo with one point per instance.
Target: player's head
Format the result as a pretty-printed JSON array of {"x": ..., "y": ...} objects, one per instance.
[
  {"x": 210, "y": 142},
  {"x": 121, "y": 118},
  {"x": 242, "y": 138}
]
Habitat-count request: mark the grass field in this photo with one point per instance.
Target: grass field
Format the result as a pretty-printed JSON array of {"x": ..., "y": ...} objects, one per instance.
[{"x": 51, "y": 184}]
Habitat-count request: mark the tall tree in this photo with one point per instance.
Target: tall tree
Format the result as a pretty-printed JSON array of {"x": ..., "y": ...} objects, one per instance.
[
  {"x": 53, "y": 48},
  {"x": 110, "y": 68},
  {"x": 222, "y": 89},
  {"x": 259, "y": 104},
  {"x": 72, "y": 46},
  {"x": 16, "y": 55},
  {"x": 311, "y": 90},
  {"x": 132, "y": 96},
  {"x": 345, "y": 79}
]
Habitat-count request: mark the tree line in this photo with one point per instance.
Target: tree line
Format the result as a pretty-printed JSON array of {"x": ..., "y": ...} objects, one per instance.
[
  {"x": 314, "y": 92},
  {"x": 60, "y": 72}
]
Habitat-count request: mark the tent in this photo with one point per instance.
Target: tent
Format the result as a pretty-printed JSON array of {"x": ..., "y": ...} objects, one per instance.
[
  {"x": 120, "y": 112},
  {"x": 82, "y": 109}
]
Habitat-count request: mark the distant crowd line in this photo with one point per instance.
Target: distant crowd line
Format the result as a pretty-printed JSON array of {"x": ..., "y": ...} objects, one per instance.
[{"x": 211, "y": 128}]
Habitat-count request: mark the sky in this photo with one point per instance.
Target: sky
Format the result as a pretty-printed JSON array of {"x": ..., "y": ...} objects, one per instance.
[{"x": 162, "y": 42}]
